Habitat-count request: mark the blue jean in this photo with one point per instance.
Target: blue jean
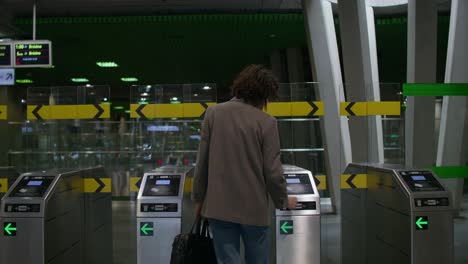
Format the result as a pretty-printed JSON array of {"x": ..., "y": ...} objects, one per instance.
[{"x": 226, "y": 240}]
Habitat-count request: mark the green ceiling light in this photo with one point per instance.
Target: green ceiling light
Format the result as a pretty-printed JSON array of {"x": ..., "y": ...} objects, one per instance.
[
  {"x": 175, "y": 102},
  {"x": 107, "y": 64},
  {"x": 23, "y": 81},
  {"x": 79, "y": 80},
  {"x": 118, "y": 107},
  {"x": 129, "y": 79},
  {"x": 127, "y": 111}
]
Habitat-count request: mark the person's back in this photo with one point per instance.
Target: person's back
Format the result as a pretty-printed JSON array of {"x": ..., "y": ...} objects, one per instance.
[
  {"x": 238, "y": 165},
  {"x": 237, "y": 191}
]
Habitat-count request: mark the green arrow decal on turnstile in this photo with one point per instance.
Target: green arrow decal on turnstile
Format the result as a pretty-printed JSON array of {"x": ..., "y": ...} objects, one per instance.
[
  {"x": 422, "y": 222},
  {"x": 9, "y": 229},
  {"x": 145, "y": 229},
  {"x": 286, "y": 226}
]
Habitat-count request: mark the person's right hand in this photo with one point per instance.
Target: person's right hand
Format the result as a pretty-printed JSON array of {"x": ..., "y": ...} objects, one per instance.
[{"x": 292, "y": 203}]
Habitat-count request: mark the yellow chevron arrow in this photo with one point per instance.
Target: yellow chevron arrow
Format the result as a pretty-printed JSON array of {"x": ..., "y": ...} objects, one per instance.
[
  {"x": 353, "y": 181},
  {"x": 91, "y": 185},
  {"x": 188, "y": 185},
  {"x": 370, "y": 108},
  {"x": 133, "y": 184},
  {"x": 53, "y": 112},
  {"x": 3, "y": 185},
  {"x": 283, "y": 109},
  {"x": 3, "y": 112},
  {"x": 323, "y": 182},
  {"x": 186, "y": 110}
]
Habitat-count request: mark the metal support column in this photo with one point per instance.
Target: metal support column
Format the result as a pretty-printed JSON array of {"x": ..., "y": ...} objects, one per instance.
[
  {"x": 362, "y": 78},
  {"x": 323, "y": 46},
  {"x": 422, "y": 67},
  {"x": 452, "y": 135}
]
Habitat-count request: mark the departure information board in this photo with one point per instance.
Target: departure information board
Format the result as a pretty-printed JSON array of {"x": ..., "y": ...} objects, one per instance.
[
  {"x": 34, "y": 53},
  {"x": 5, "y": 55}
]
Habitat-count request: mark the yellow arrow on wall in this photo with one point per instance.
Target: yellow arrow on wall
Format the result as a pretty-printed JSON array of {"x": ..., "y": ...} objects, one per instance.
[
  {"x": 321, "y": 182},
  {"x": 283, "y": 109},
  {"x": 3, "y": 112},
  {"x": 370, "y": 108},
  {"x": 3, "y": 185},
  {"x": 353, "y": 181},
  {"x": 186, "y": 110},
  {"x": 53, "y": 112},
  {"x": 135, "y": 184},
  {"x": 97, "y": 185}
]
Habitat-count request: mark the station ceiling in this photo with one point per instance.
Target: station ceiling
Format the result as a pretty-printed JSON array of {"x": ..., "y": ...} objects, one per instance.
[{"x": 160, "y": 49}]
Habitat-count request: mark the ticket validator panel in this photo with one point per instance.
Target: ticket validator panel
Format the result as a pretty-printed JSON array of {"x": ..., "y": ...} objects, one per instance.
[
  {"x": 159, "y": 214},
  {"x": 414, "y": 212},
  {"x": 299, "y": 227},
  {"x": 39, "y": 207}
]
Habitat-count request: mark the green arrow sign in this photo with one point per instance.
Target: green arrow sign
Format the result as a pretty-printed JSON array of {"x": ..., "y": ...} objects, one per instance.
[
  {"x": 422, "y": 223},
  {"x": 286, "y": 227},
  {"x": 146, "y": 229},
  {"x": 9, "y": 229}
]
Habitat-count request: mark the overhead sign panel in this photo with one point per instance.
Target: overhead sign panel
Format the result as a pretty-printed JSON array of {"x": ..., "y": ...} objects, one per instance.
[
  {"x": 6, "y": 56},
  {"x": 34, "y": 53},
  {"x": 7, "y": 76}
]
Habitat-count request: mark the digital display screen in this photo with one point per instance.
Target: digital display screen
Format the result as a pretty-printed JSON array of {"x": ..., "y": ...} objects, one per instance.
[
  {"x": 298, "y": 184},
  {"x": 34, "y": 183},
  {"x": 293, "y": 180},
  {"x": 418, "y": 178},
  {"x": 162, "y": 185},
  {"x": 5, "y": 55},
  {"x": 163, "y": 182},
  {"x": 32, "y": 186},
  {"x": 33, "y": 54}
]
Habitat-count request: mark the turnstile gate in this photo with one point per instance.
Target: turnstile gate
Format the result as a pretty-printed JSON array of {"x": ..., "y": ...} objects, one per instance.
[
  {"x": 159, "y": 213},
  {"x": 41, "y": 219},
  {"x": 404, "y": 216},
  {"x": 298, "y": 231},
  {"x": 46, "y": 218}
]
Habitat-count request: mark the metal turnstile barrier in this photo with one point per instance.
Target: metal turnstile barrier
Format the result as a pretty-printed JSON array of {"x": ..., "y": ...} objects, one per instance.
[
  {"x": 47, "y": 219},
  {"x": 298, "y": 231},
  {"x": 41, "y": 217},
  {"x": 404, "y": 216},
  {"x": 160, "y": 205},
  {"x": 97, "y": 221}
]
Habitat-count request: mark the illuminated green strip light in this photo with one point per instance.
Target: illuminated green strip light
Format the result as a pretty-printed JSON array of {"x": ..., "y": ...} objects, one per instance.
[
  {"x": 449, "y": 172},
  {"x": 435, "y": 89},
  {"x": 79, "y": 80},
  {"x": 129, "y": 79},
  {"x": 107, "y": 64},
  {"x": 118, "y": 107},
  {"x": 23, "y": 81}
]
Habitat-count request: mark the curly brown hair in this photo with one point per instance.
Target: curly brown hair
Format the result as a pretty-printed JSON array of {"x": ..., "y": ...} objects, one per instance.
[{"x": 255, "y": 84}]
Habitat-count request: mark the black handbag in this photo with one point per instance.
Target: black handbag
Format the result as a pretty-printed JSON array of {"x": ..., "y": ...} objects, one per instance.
[{"x": 195, "y": 247}]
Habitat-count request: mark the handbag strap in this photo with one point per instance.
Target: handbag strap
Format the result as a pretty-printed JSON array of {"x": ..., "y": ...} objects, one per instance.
[
  {"x": 205, "y": 229},
  {"x": 196, "y": 226}
]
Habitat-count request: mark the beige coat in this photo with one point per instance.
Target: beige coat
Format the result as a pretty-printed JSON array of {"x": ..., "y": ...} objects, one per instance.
[{"x": 238, "y": 164}]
